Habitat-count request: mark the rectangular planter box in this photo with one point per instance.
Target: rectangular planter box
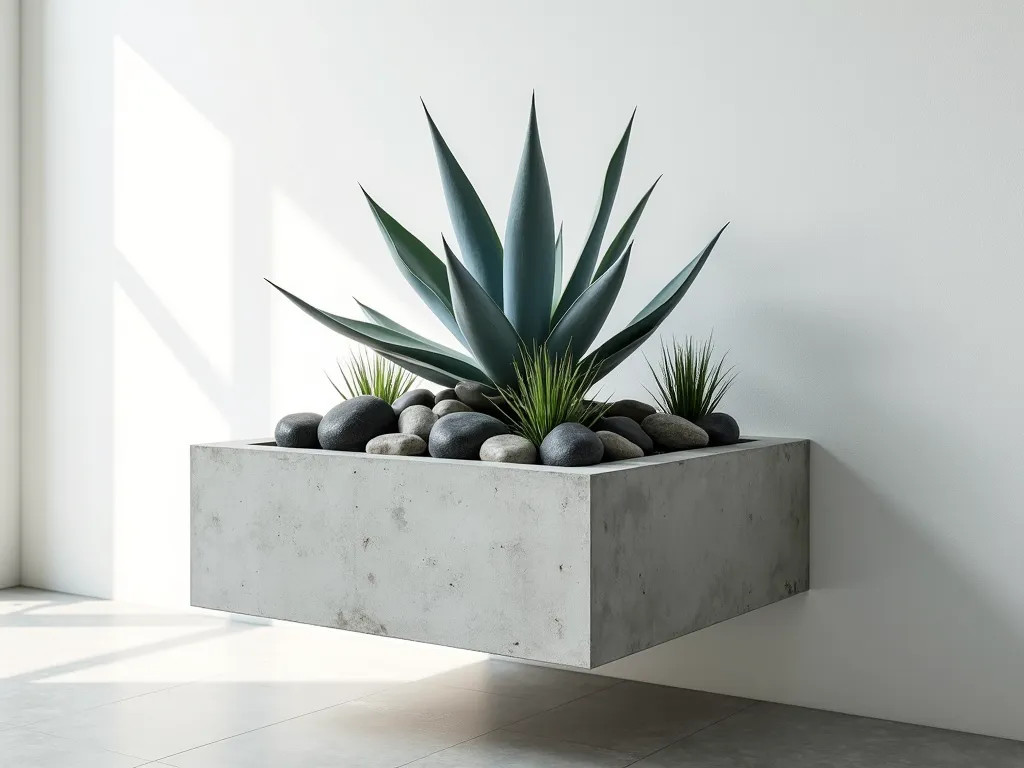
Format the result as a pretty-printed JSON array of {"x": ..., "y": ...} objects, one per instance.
[{"x": 569, "y": 566}]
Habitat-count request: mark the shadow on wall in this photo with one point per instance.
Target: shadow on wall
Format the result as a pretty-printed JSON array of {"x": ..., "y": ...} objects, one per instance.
[{"x": 892, "y": 607}]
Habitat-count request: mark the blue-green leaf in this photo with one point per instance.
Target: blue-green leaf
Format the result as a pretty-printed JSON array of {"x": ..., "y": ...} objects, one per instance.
[
  {"x": 386, "y": 340},
  {"x": 386, "y": 322},
  {"x": 579, "y": 326},
  {"x": 422, "y": 370},
  {"x": 627, "y": 341},
  {"x": 420, "y": 267},
  {"x": 529, "y": 267},
  {"x": 557, "y": 280},
  {"x": 584, "y": 269},
  {"x": 478, "y": 240},
  {"x": 618, "y": 244},
  {"x": 489, "y": 335}
]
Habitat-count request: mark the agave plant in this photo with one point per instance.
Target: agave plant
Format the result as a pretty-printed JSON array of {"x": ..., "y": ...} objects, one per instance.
[{"x": 499, "y": 300}]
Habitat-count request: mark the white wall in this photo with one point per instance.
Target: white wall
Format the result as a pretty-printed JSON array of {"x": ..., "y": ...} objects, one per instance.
[
  {"x": 867, "y": 153},
  {"x": 10, "y": 517}
]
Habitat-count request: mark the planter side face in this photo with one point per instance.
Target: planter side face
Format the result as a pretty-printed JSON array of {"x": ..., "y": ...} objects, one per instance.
[
  {"x": 683, "y": 545},
  {"x": 477, "y": 556}
]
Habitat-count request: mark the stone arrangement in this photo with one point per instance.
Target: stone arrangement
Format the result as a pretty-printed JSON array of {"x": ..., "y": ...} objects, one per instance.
[{"x": 465, "y": 423}]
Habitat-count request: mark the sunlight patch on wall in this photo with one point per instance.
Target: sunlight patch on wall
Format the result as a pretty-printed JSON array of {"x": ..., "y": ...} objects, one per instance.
[
  {"x": 173, "y": 203},
  {"x": 309, "y": 262},
  {"x": 172, "y": 315}
]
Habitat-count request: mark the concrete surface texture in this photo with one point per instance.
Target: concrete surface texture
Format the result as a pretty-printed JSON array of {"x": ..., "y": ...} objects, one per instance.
[
  {"x": 569, "y": 566},
  {"x": 92, "y": 684}
]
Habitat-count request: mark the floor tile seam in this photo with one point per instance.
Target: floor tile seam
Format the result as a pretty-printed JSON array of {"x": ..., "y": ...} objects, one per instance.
[
  {"x": 570, "y": 742},
  {"x": 506, "y": 725},
  {"x": 695, "y": 732},
  {"x": 88, "y": 744},
  {"x": 32, "y": 726},
  {"x": 251, "y": 730}
]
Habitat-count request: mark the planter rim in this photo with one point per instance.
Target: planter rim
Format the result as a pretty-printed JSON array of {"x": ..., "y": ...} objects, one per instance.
[{"x": 747, "y": 442}]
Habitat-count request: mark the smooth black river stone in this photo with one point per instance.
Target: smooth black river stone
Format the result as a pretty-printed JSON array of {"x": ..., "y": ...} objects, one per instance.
[
  {"x": 413, "y": 397},
  {"x": 352, "y": 423},
  {"x": 298, "y": 430},
  {"x": 633, "y": 409},
  {"x": 627, "y": 428},
  {"x": 445, "y": 394},
  {"x": 571, "y": 445},
  {"x": 460, "y": 435},
  {"x": 472, "y": 394},
  {"x": 722, "y": 428}
]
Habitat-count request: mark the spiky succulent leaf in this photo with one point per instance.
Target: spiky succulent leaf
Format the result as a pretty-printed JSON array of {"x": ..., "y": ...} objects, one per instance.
[
  {"x": 620, "y": 346},
  {"x": 489, "y": 334},
  {"x": 379, "y": 318},
  {"x": 424, "y": 371},
  {"x": 529, "y": 267},
  {"x": 386, "y": 340},
  {"x": 557, "y": 279},
  {"x": 420, "y": 267},
  {"x": 584, "y": 269},
  {"x": 622, "y": 238},
  {"x": 579, "y": 326},
  {"x": 478, "y": 240}
]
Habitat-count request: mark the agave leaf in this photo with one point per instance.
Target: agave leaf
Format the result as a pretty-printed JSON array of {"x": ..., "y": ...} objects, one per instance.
[
  {"x": 579, "y": 326},
  {"x": 529, "y": 268},
  {"x": 384, "y": 321},
  {"x": 628, "y": 340},
  {"x": 478, "y": 240},
  {"x": 389, "y": 341},
  {"x": 424, "y": 371},
  {"x": 489, "y": 335},
  {"x": 621, "y": 240},
  {"x": 557, "y": 279},
  {"x": 420, "y": 267},
  {"x": 584, "y": 269}
]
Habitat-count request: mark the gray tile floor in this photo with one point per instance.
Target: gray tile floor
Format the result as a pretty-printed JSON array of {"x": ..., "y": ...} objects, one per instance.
[{"x": 93, "y": 684}]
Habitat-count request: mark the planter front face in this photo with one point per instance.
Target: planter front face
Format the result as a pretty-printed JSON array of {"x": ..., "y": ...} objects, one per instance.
[{"x": 568, "y": 566}]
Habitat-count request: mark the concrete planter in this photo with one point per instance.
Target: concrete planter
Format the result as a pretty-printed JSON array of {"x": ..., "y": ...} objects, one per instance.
[{"x": 569, "y": 566}]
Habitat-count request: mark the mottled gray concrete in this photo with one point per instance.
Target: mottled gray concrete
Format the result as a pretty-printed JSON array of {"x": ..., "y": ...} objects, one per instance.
[
  {"x": 681, "y": 544},
  {"x": 573, "y": 566}
]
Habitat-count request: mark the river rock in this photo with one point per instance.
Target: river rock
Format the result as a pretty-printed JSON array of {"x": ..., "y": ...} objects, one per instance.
[
  {"x": 509, "y": 449},
  {"x": 397, "y": 445},
  {"x": 674, "y": 433},
  {"x": 413, "y": 397},
  {"x": 616, "y": 447},
  {"x": 417, "y": 420},
  {"x": 450, "y": 406},
  {"x": 352, "y": 423},
  {"x": 460, "y": 435},
  {"x": 472, "y": 394},
  {"x": 627, "y": 428},
  {"x": 633, "y": 409},
  {"x": 571, "y": 445},
  {"x": 298, "y": 430},
  {"x": 722, "y": 428},
  {"x": 445, "y": 394}
]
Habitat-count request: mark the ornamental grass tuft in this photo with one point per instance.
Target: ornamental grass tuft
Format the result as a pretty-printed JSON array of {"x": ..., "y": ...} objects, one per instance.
[
  {"x": 689, "y": 383},
  {"x": 366, "y": 374}
]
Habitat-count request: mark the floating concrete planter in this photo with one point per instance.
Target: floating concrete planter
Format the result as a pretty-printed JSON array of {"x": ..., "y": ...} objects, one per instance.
[{"x": 569, "y": 566}]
